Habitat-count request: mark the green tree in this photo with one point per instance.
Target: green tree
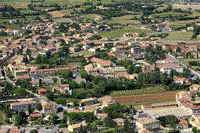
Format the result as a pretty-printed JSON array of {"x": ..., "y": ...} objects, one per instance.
[
  {"x": 53, "y": 118},
  {"x": 34, "y": 131},
  {"x": 178, "y": 49},
  {"x": 38, "y": 106},
  {"x": 108, "y": 122},
  {"x": 169, "y": 50}
]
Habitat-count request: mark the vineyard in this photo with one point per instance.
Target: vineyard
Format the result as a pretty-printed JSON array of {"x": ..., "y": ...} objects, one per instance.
[{"x": 146, "y": 98}]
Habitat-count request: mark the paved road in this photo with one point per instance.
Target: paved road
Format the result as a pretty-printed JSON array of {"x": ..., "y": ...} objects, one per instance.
[{"x": 175, "y": 60}]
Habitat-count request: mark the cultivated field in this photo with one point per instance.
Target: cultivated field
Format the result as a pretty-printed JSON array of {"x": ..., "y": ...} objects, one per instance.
[
  {"x": 193, "y": 7},
  {"x": 178, "y": 36},
  {"x": 146, "y": 98},
  {"x": 149, "y": 90},
  {"x": 117, "y": 33}
]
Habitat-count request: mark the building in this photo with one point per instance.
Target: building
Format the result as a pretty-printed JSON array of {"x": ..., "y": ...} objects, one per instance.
[
  {"x": 35, "y": 116},
  {"x": 101, "y": 63},
  {"x": 42, "y": 92},
  {"x": 181, "y": 80},
  {"x": 74, "y": 128},
  {"x": 88, "y": 101},
  {"x": 148, "y": 123},
  {"x": 48, "y": 72},
  {"x": 170, "y": 66},
  {"x": 106, "y": 101},
  {"x": 195, "y": 87},
  {"x": 15, "y": 131},
  {"x": 119, "y": 121},
  {"x": 22, "y": 105}
]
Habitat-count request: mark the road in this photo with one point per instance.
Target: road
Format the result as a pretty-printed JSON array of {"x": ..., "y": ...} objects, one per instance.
[{"x": 175, "y": 60}]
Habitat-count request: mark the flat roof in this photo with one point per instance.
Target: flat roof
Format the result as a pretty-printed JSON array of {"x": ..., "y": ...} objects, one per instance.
[{"x": 177, "y": 111}]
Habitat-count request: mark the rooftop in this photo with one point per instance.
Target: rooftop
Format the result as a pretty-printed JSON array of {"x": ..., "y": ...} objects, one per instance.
[{"x": 23, "y": 103}]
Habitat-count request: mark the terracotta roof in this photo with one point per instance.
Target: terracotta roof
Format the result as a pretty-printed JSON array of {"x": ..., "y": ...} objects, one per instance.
[
  {"x": 148, "y": 120},
  {"x": 23, "y": 103},
  {"x": 75, "y": 111},
  {"x": 195, "y": 86},
  {"x": 88, "y": 99},
  {"x": 36, "y": 115},
  {"x": 42, "y": 90},
  {"x": 101, "y": 62},
  {"x": 52, "y": 69},
  {"x": 91, "y": 108},
  {"x": 169, "y": 65},
  {"x": 182, "y": 122},
  {"x": 78, "y": 125},
  {"x": 180, "y": 79},
  {"x": 15, "y": 131}
]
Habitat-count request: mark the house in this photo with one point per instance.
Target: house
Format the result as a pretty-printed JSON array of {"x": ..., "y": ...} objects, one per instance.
[
  {"x": 14, "y": 32},
  {"x": 195, "y": 87},
  {"x": 101, "y": 63},
  {"x": 22, "y": 105},
  {"x": 101, "y": 116},
  {"x": 148, "y": 123},
  {"x": 106, "y": 101},
  {"x": 182, "y": 124},
  {"x": 91, "y": 109},
  {"x": 178, "y": 80},
  {"x": 74, "y": 49},
  {"x": 41, "y": 73},
  {"x": 62, "y": 89},
  {"x": 190, "y": 28},
  {"x": 42, "y": 92},
  {"x": 170, "y": 66},
  {"x": 94, "y": 50},
  {"x": 35, "y": 116},
  {"x": 119, "y": 121},
  {"x": 74, "y": 128},
  {"x": 15, "y": 131},
  {"x": 88, "y": 101}
]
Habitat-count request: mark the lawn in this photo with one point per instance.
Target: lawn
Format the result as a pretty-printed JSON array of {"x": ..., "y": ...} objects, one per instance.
[
  {"x": 85, "y": 53},
  {"x": 125, "y": 19},
  {"x": 167, "y": 14},
  {"x": 117, "y": 33},
  {"x": 1, "y": 117},
  {"x": 178, "y": 36}
]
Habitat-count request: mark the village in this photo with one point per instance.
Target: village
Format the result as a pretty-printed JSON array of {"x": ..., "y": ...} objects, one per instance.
[{"x": 72, "y": 76}]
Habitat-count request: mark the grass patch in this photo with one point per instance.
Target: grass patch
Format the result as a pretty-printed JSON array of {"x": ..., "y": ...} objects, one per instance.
[
  {"x": 149, "y": 90},
  {"x": 179, "y": 36},
  {"x": 120, "y": 32},
  {"x": 125, "y": 19},
  {"x": 85, "y": 53},
  {"x": 1, "y": 117}
]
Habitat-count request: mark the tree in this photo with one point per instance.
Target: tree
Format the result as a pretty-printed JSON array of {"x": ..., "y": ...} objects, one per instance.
[
  {"x": 169, "y": 50},
  {"x": 50, "y": 96},
  {"x": 178, "y": 49},
  {"x": 30, "y": 109},
  {"x": 38, "y": 106},
  {"x": 34, "y": 131},
  {"x": 108, "y": 122},
  {"x": 53, "y": 118},
  {"x": 130, "y": 69}
]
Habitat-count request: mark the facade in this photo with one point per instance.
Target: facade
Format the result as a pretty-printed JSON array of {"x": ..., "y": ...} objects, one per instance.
[
  {"x": 88, "y": 102},
  {"x": 48, "y": 72},
  {"x": 22, "y": 105},
  {"x": 148, "y": 123},
  {"x": 195, "y": 87},
  {"x": 74, "y": 128},
  {"x": 170, "y": 66}
]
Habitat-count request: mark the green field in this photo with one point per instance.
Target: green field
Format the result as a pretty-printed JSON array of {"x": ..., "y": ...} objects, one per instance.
[
  {"x": 178, "y": 35},
  {"x": 1, "y": 117},
  {"x": 117, "y": 33},
  {"x": 167, "y": 14},
  {"x": 85, "y": 53},
  {"x": 125, "y": 19},
  {"x": 149, "y": 90}
]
